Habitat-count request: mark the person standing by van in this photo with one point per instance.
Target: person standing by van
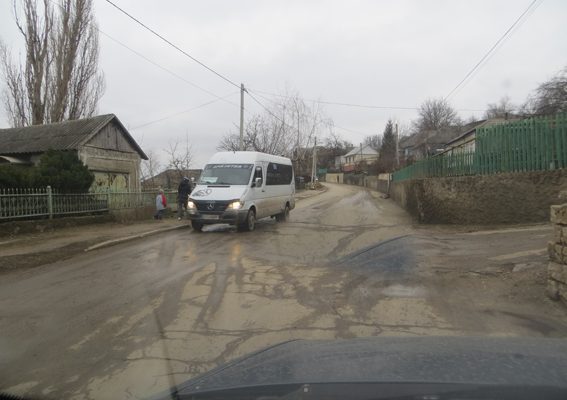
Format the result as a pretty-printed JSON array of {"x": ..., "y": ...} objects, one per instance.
[
  {"x": 161, "y": 204},
  {"x": 183, "y": 192}
]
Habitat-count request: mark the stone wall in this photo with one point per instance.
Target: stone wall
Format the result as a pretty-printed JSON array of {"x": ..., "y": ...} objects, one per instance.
[
  {"x": 557, "y": 269},
  {"x": 482, "y": 199}
]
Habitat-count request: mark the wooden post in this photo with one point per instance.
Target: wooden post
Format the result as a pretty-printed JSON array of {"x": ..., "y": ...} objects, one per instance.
[{"x": 49, "y": 202}]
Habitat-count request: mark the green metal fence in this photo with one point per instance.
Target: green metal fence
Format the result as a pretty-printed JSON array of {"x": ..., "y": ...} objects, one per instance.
[
  {"x": 535, "y": 144},
  {"x": 31, "y": 203}
]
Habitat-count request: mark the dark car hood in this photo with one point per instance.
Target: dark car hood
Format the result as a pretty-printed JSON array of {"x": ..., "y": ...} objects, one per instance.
[{"x": 466, "y": 360}]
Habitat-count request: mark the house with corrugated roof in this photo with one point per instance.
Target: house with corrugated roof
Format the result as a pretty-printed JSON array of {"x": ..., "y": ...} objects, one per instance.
[{"x": 102, "y": 143}]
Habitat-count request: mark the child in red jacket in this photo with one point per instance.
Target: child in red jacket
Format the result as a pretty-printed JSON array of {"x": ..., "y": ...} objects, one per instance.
[{"x": 161, "y": 204}]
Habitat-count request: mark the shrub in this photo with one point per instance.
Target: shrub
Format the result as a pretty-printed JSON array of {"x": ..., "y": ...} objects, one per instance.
[
  {"x": 63, "y": 171},
  {"x": 16, "y": 176}
]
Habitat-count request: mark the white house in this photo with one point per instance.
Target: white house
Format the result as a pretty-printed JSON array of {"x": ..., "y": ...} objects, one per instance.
[{"x": 358, "y": 154}]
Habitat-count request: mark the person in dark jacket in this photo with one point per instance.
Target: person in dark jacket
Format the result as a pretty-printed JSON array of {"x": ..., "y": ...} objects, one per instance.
[{"x": 183, "y": 192}]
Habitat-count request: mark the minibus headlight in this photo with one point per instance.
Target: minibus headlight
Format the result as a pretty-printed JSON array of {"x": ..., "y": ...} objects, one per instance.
[
  {"x": 190, "y": 204},
  {"x": 235, "y": 205}
]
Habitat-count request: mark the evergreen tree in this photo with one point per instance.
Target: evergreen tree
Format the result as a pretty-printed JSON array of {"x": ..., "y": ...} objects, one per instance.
[
  {"x": 387, "y": 155},
  {"x": 63, "y": 171}
]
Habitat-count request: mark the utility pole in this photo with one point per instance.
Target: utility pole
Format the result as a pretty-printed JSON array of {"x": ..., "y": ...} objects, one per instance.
[
  {"x": 360, "y": 163},
  {"x": 314, "y": 166},
  {"x": 297, "y": 158},
  {"x": 397, "y": 146},
  {"x": 242, "y": 90}
]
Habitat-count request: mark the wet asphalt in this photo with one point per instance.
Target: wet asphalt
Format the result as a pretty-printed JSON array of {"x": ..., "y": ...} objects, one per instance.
[{"x": 131, "y": 320}]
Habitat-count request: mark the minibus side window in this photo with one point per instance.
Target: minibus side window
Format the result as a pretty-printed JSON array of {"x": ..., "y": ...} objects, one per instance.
[{"x": 279, "y": 174}]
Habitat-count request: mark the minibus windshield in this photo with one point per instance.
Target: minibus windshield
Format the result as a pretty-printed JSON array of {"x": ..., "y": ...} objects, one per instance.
[{"x": 226, "y": 174}]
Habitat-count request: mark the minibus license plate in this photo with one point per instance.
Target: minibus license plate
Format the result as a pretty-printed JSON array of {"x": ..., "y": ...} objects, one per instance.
[{"x": 206, "y": 216}]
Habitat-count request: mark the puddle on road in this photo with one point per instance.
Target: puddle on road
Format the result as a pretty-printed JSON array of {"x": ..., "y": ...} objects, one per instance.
[
  {"x": 404, "y": 291},
  {"x": 389, "y": 258},
  {"x": 359, "y": 199}
]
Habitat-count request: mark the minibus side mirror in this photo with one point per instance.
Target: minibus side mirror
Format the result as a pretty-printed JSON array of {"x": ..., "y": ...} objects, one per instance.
[{"x": 257, "y": 182}]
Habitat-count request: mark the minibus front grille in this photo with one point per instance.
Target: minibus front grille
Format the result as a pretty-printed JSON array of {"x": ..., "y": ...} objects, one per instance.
[{"x": 211, "y": 206}]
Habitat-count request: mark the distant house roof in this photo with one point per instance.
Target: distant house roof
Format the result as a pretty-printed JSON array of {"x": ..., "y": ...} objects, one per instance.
[
  {"x": 433, "y": 137},
  {"x": 170, "y": 177},
  {"x": 67, "y": 135},
  {"x": 408, "y": 141},
  {"x": 366, "y": 150},
  {"x": 471, "y": 128}
]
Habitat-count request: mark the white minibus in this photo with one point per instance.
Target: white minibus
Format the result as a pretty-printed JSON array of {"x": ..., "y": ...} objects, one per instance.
[{"x": 240, "y": 187}]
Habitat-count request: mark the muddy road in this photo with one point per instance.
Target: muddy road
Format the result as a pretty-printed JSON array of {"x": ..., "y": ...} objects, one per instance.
[{"x": 131, "y": 320}]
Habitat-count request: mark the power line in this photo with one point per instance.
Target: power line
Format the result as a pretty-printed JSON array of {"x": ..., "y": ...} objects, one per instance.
[
  {"x": 172, "y": 45},
  {"x": 167, "y": 70},
  {"x": 279, "y": 119},
  {"x": 338, "y": 103},
  {"x": 183, "y": 112},
  {"x": 334, "y": 125},
  {"x": 356, "y": 105},
  {"x": 349, "y": 130},
  {"x": 156, "y": 64},
  {"x": 489, "y": 52},
  {"x": 268, "y": 110}
]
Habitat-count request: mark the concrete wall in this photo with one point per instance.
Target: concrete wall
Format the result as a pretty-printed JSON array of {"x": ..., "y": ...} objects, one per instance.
[
  {"x": 376, "y": 182},
  {"x": 486, "y": 199},
  {"x": 334, "y": 178},
  {"x": 379, "y": 182},
  {"x": 124, "y": 165}
]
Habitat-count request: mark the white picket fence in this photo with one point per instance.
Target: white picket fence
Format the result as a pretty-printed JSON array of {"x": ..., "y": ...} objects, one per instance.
[{"x": 27, "y": 203}]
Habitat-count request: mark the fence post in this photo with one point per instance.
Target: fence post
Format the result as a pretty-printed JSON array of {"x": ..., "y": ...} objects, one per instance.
[{"x": 49, "y": 202}]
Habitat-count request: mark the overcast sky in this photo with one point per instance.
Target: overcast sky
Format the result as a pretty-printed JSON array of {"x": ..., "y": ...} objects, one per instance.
[{"x": 383, "y": 53}]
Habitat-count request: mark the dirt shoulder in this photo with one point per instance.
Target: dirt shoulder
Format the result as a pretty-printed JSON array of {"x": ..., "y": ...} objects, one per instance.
[
  {"x": 32, "y": 250},
  {"x": 487, "y": 279}
]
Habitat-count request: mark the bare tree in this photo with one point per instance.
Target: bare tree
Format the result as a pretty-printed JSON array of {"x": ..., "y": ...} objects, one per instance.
[
  {"x": 336, "y": 142},
  {"x": 77, "y": 85},
  {"x": 550, "y": 97},
  {"x": 150, "y": 168},
  {"x": 180, "y": 156},
  {"x": 59, "y": 79},
  {"x": 332, "y": 147},
  {"x": 374, "y": 141},
  {"x": 503, "y": 109},
  {"x": 287, "y": 128},
  {"x": 471, "y": 120},
  {"x": 435, "y": 114},
  {"x": 231, "y": 142}
]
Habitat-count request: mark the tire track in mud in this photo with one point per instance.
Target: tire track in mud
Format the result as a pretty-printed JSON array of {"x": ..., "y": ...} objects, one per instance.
[{"x": 216, "y": 293}]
